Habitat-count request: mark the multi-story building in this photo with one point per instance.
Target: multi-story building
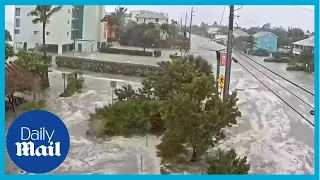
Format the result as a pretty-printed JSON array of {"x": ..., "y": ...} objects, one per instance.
[
  {"x": 148, "y": 16},
  {"x": 60, "y": 36}
]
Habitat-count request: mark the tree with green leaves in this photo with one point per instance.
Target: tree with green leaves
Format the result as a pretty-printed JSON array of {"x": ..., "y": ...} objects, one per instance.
[
  {"x": 32, "y": 62},
  {"x": 42, "y": 15},
  {"x": 8, "y": 36},
  {"x": 9, "y": 52},
  {"x": 227, "y": 162}
]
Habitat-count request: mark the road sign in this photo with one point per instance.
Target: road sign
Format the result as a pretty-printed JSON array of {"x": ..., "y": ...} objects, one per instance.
[
  {"x": 113, "y": 84},
  {"x": 221, "y": 82},
  {"x": 223, "y": 59}
]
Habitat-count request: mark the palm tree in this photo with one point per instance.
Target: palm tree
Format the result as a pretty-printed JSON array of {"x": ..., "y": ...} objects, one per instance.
[{"x": 42, "y": 15}]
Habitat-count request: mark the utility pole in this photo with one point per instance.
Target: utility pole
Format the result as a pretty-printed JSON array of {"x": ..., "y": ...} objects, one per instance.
[
  {"x": 191, "y": 23},
  {"x": 229, "y": 54},
  {"x": 181, "y": 24},
  {"x": 75, "y": 29},
  {"x": 186, "y": 20}
]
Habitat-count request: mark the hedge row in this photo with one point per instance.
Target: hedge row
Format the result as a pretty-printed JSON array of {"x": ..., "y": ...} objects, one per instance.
[
  {"x": 281, "y": 60},
  {"x": 295, "y": 68},
  {"x": 104, "y": 66},
  {"x": 125, "y": 51}
]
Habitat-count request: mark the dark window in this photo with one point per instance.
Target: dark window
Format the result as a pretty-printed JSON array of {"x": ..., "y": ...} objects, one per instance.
[
  {"x": 16, "y": 31},
  {"x": 144, "y": 20},
  {"x": 17, "y": 22},
  {"x": 18, "y": 11},
  {"x": 48, "y": 33},
  {"x": 157, "y": 20},
  {"x": 73, "y": 24},
  {"x": 35, "y": 32}
]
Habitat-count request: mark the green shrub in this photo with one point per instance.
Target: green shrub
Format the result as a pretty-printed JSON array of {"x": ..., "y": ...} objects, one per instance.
[
  {"x": 278, "y": 60},
  {"x": 35, "y": 105},
  {"x": 173, "y": 56},
  {"x": 157, "y": 53},
  {"x": 75, "y": 84},
  {"x": 260, "y": 52},
  {"x": 134, "y": 116},
  {"x": 296, "y": 68},
  {"x": 104, "y": 66},
  {"x": 125, "y": 51}
]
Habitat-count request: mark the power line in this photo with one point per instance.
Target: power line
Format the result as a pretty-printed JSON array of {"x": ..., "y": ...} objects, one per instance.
[
  {"x": 277, "y": 74},
  {"x": 224, "y": 8},
  {"x": 277, "y": 83},
  {"x": 306, "y": 9},
  {"x": 276, "y": 94}
]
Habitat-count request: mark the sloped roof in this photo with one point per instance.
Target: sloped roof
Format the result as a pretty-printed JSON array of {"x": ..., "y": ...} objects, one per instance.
[
  {"x": 19, "y": 80},
  {"x": 262, "y": 33},
  {"x": 305, "y": 42},
  {"x": 239, "y": 32},
  {"x": 150, "y": 14}
]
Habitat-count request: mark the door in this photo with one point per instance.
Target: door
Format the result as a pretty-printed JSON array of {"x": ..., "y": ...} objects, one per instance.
[
  {"x": 25, "y": 46},
  {"x": 98, "y": 45},
  {"x": 80, "y": 47}
]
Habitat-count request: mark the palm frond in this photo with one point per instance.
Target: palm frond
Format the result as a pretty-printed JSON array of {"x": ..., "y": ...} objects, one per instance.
[
  {"x": 33, "y": 13},
  {"x": 54, "y": 10},
  {"x": 36, "y": 20}
]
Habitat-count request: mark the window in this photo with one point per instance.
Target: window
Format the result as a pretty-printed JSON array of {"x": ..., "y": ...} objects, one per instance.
[
  {"x": 18, "y": 11},
  {"x": 36, "y": 32},
  {"x": 72, "y": 24},
  {"x": 68, "y": 10},
  {"x": 144, "y": 20},
  {"x": 68, "y": 33},
  {"x": 68, "y": 22},
  {"x": 157, "y": 20},
  {"x": 16, "y": 31},
  {"x": 17, "y": 22},
  {"x": 48, "y": 33}
]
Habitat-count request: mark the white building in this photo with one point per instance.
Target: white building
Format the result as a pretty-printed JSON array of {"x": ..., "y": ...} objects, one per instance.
[
  {"x": 305, "y": 44},
  {"x": 148, "y": 16},
  {"x": 60, "y": 29}
]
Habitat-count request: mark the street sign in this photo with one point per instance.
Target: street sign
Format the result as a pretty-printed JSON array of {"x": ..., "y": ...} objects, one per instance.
[
  {"x": 221, "y": 82},
  {"x": 223, "y": 59},
  {"x": 113, "y": 84}
]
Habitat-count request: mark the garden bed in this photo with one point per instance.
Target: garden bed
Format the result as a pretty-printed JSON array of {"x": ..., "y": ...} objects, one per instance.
[
  {"x": 125, "y": 51},
  {"x": 127, "y": 69}
]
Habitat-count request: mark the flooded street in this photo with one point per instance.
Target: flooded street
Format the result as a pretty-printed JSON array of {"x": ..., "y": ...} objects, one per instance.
[{"x": 275, "y": 138}]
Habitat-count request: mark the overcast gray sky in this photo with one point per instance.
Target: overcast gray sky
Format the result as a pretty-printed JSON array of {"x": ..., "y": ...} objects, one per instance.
[{"x": 293, "y": 16}]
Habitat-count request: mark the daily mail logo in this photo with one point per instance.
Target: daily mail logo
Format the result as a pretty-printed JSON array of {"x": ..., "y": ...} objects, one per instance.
[{"x": 39, "y": 137}]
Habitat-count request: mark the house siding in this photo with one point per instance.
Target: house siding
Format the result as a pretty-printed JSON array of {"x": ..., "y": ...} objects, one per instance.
[{"x": 268, "y": 42}]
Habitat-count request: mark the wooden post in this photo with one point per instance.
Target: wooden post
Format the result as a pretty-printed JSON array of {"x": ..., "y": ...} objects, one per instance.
[
  {"x": 12, "y": 102},
  {"x": 141, "y": 164}
]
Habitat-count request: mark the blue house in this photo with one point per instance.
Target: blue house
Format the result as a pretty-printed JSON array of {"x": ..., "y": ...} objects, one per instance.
[{"x": 265, "y": 40}]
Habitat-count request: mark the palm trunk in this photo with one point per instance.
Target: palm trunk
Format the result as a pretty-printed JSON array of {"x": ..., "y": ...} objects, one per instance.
[{"x": 46, "y": 82}]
